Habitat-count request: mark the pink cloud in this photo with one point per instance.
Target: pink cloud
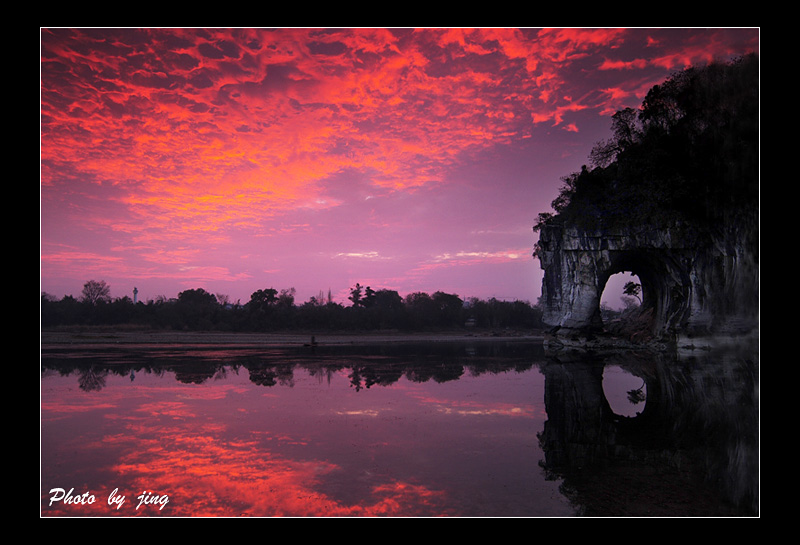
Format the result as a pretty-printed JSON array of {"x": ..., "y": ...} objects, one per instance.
[{"x": 165, "y": 152}]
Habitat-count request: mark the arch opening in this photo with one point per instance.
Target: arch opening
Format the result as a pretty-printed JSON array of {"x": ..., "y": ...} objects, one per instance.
[
  {"x": 625, "y": 393},
  {"x": 622, "y": 293},
  {"x": 631, "y": 294}
]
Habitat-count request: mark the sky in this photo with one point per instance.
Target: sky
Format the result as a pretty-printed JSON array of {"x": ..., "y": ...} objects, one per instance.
[{"x": 235, "y": 160}]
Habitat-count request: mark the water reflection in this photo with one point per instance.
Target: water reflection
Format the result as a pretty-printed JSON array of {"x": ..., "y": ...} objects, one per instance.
[
  {"x": 487, "y": 429},
  {"x": 625, "y": 392},
  {"x": 696, "y": 434}
]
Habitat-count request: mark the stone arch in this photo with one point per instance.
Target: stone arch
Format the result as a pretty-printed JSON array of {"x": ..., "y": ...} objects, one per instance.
[{"x": 684, "y": 287}]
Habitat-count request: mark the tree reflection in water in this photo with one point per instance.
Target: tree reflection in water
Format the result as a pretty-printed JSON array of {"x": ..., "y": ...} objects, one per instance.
[
  {"x": 696, "y": 436},
  {"x": 690, "y": 449}
]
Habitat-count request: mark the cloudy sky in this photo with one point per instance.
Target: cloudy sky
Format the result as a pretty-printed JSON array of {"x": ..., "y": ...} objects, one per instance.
[{"x": 409, "y": 159}]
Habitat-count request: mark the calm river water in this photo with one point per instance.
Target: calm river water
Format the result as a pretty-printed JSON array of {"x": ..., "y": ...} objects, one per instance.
[{"x": 482, "y": 429}]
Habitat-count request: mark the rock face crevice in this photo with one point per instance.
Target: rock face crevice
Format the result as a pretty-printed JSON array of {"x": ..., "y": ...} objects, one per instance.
[{"x": 695, "y": 281}]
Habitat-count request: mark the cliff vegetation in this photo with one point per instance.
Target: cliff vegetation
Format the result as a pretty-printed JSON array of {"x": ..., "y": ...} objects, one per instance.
[{"x": 689, "y": 154}]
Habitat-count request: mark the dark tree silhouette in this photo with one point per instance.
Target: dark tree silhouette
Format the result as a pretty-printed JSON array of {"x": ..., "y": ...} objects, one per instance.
[
  {"x": 95, "y": 292},
  {"x": 271, "y": 309},
  {"x": 633, "y": 289},
  {"x": 690, "y": 152},
  {"x": 263, "y": 298}
]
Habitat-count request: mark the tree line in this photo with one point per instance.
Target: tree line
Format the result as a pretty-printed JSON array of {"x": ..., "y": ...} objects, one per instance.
[{"x": 276, "y": 310}]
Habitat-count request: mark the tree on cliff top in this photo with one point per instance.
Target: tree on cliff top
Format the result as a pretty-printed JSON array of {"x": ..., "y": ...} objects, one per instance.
[{"x": 689, "y": 152}]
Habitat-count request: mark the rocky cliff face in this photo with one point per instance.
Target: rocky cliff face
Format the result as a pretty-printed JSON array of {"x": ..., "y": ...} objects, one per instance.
[{"x": 695, "y": 281}]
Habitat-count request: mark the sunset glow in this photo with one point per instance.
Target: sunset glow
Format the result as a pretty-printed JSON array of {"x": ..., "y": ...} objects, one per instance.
[{"x": 409, "y": 159}]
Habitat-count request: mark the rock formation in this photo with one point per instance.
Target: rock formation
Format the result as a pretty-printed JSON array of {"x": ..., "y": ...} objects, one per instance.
[
  {"x": 695, "y": 282},
  {"x": 673, "y": 198}
]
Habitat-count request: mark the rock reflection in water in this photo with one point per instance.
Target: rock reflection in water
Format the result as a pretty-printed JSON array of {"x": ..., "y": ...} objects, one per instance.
[
  {"x": 690, "y": 447},
  {"x": 694, "y": 439}
]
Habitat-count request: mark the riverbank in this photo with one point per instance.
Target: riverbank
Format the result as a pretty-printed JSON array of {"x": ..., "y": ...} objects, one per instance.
[{"x": 96, "y": 336}]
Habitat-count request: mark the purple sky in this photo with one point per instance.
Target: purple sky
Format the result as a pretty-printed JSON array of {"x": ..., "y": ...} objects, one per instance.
[{"x": 406, "y": 159}]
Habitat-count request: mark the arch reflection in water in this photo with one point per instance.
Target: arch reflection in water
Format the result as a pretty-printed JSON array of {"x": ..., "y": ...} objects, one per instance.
[
  {"x": 454, "y": 430},
  {"x": 691, "y": 450},
  {"x": 625, "y": 392}
]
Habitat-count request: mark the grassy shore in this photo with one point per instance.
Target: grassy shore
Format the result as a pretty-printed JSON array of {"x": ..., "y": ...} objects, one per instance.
[{"x": 85, "y": 335}]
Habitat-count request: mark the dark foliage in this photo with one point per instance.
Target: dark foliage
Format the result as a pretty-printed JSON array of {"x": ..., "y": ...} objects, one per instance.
[
  {"x": 270, "y": 310},
  {"x": 690, "y": 153}
]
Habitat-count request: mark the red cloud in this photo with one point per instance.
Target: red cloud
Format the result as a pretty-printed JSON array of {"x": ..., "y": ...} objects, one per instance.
[{"x": 204, "y": 133}]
